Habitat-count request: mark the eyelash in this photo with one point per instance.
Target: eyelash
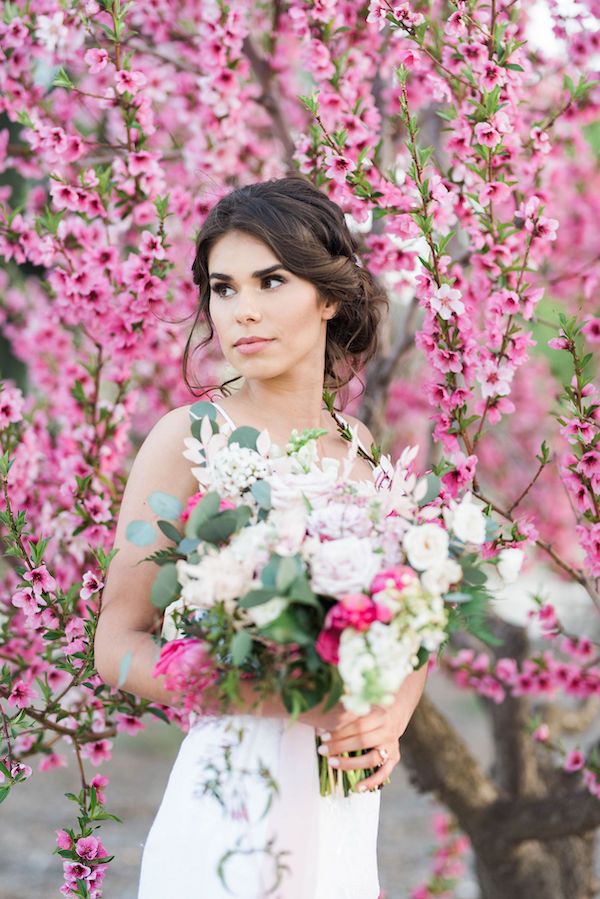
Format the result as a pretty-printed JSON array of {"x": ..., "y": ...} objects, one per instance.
[{"x": 216, "y": 287}]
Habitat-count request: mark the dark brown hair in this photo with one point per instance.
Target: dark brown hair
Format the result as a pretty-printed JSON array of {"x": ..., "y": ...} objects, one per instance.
[{"x": 308, "y": 233}]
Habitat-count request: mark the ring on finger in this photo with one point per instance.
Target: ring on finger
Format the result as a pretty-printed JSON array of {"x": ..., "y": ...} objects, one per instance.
[{"x": 383, "y": 754}]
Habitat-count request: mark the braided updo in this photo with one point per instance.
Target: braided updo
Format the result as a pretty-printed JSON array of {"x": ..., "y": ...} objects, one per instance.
[{"x": 308, "y": 232}]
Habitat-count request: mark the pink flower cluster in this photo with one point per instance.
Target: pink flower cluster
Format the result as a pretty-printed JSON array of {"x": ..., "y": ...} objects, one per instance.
[
  {"x": 188, "y": 670},
  {"x": 360, "y": 610}
]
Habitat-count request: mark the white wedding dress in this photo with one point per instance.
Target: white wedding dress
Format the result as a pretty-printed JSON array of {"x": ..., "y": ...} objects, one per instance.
[{"x": 243, "y": 797}]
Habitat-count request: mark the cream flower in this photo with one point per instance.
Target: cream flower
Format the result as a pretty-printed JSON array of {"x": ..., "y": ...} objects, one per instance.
[{"x": 425, "y": 545}]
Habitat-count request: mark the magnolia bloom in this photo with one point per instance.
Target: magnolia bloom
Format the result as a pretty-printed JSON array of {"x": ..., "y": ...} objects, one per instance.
[
  {"x": 425, "y": 545},
  {"x": 510, "y": 560}
]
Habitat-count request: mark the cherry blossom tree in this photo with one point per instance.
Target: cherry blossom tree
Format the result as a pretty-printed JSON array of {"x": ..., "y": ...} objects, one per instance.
[{"x": 466, "y": 158}]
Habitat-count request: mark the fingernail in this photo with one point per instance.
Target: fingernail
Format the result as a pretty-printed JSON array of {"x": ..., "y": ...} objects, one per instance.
[
  {"x": 361, "y": 788},
  {"x": 323, "y": 750},
  {"x": 325, "y": 735},
  {"x": 334, "y": 762}
]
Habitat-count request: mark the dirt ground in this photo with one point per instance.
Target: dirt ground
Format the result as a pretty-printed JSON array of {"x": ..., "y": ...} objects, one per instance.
[{"x": 138, "y": 775}]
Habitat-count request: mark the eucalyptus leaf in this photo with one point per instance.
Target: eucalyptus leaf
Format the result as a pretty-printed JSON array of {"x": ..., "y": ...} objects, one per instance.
[
  {"x": 244, "y": 436},
  {"x": 301, "y": 591},
  {"x": 474, "y": 576},
  {"x": 433, "y": 489},
  {"x": 202, "y": 512},
  {"x": 170, "y": 531},
  {"x": 240, "y": 647},
  {"x": 287, "y": 629},
  {"x": 261, "y": 491},
  {"x": 124, "y": 668},
  {"x": 221, "y": 526},
  {"x": 257, "y": 598},
  {"x": 141, "y": 533},
  {"x": 188, "y": 545},
  {"x": 201, "y": 408},
  {"x": 166, "y": 587},
  {"x": 289, "y": 568},
  {"x": 165, "y": 505}
]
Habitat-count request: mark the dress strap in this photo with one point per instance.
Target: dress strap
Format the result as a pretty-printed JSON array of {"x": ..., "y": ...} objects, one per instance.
[{"x": 225, "y": 415}]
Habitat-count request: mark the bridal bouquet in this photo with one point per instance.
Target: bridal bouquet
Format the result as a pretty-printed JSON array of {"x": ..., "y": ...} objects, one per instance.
[{"x": 316, "y": 587}]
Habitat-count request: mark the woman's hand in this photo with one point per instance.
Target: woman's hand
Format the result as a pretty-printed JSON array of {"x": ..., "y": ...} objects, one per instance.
[{"x": 380, "y": 728}]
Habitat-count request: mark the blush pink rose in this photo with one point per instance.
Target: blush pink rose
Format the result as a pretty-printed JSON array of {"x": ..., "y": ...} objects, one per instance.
[{"x": 397, "y": 576}]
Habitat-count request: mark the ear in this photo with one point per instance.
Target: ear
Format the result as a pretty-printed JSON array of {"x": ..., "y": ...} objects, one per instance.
[{"x": 330, "y": 309}]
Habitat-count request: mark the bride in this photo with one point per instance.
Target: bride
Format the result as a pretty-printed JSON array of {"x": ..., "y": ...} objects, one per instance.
[{"x": 294, "y": 313}]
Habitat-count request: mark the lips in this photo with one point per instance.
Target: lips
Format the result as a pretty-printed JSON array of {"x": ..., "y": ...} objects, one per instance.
[
  {"x": 246, "y": 340},
  {"x": 248, "y": 346}
]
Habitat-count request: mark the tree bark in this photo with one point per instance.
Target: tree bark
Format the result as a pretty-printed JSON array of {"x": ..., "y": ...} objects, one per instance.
[{"x": 531, "y": 826}]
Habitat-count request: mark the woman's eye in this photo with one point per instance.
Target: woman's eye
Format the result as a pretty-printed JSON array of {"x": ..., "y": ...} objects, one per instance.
[
  {"x": 274, "y": 278},
  {"x": 218, "y": 288}
]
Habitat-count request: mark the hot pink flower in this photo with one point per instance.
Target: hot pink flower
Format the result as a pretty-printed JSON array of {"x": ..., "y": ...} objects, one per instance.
[
  {"x": 22, "y": 695},
  {"x": 96, "y": 59},
  {"x": 397, "y": 577},
  {"x": 129, "y": 82},
  {"x": 41, "y": 580},
  {"x": 574, "y": 760},
  {"x": 328, "y": 645},
  {"x": 187, "y": 668},
  {"x": 87, "y": 847},
  {"x": 63, "y": 840}
]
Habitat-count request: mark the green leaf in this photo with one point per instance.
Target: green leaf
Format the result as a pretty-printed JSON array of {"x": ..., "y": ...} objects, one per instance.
[
  {"x": 165, "y": 504},
  {"x": 301, "y": 591},
  {"x": 289, "y": 568},
  {"x": 124, "y": 668},
  {"x": 261, "y": 491},
  {"x": 433, "y": 488},
  {"x": 240, "y": 647},
  {"x": 4, "y": 791},
  {"x": 257, "y": 597},
  {"x": 202, "y": 512},
  {"x": 202, "y": 408},
  {"x": 244, "y": 436},
  {"x": 287, "y": 629},
  {"x": 221, "y": 526},
  {"x": 63, "y": 80},
  {"x": 166, "y": 587},
  {"x": 141, "y": 533},
  {"x": 170, "y": 531}
]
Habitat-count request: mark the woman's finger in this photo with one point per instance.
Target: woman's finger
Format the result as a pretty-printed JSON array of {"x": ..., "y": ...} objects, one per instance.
[
  {"x": 379, "y": 777},
  {"x": 364, "y": 724},
  {"x": 370, "y": 759},
  {"x": 377, "y": 737}
]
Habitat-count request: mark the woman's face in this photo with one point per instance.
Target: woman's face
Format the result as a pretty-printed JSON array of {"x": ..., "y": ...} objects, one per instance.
[{"x": 253, "y": 295}]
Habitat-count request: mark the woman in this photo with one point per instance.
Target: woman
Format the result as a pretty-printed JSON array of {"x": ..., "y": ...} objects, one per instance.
[{"x": 294, "y": 312}]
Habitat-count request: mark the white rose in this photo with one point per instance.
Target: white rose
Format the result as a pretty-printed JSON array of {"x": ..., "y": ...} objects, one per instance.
[
  {"x": 438, "y": 578},
  {"x": 468, "y": 522},
  {"x": 340, "y": 520},
  {"x": 346, "y": 565},
  {"x": 425, "y": 545},
  {"x": 267, "y": 612},
  {"x": 288, "y": 530},
  {"x": 218, "y": 576},
  {"x": 288, "y": 488},
  {"x": 510, "y": 560}
]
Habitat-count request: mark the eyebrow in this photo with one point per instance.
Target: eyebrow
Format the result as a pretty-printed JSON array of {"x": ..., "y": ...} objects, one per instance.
[{"x": 259, "y": 274}]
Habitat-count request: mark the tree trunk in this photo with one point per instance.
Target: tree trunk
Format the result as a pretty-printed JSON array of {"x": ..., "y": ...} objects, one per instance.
[{"x": 531, "y": 825}]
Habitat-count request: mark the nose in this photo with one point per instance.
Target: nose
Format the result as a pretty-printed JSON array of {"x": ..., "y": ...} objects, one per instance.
[{"x": 247, "y": 307}]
